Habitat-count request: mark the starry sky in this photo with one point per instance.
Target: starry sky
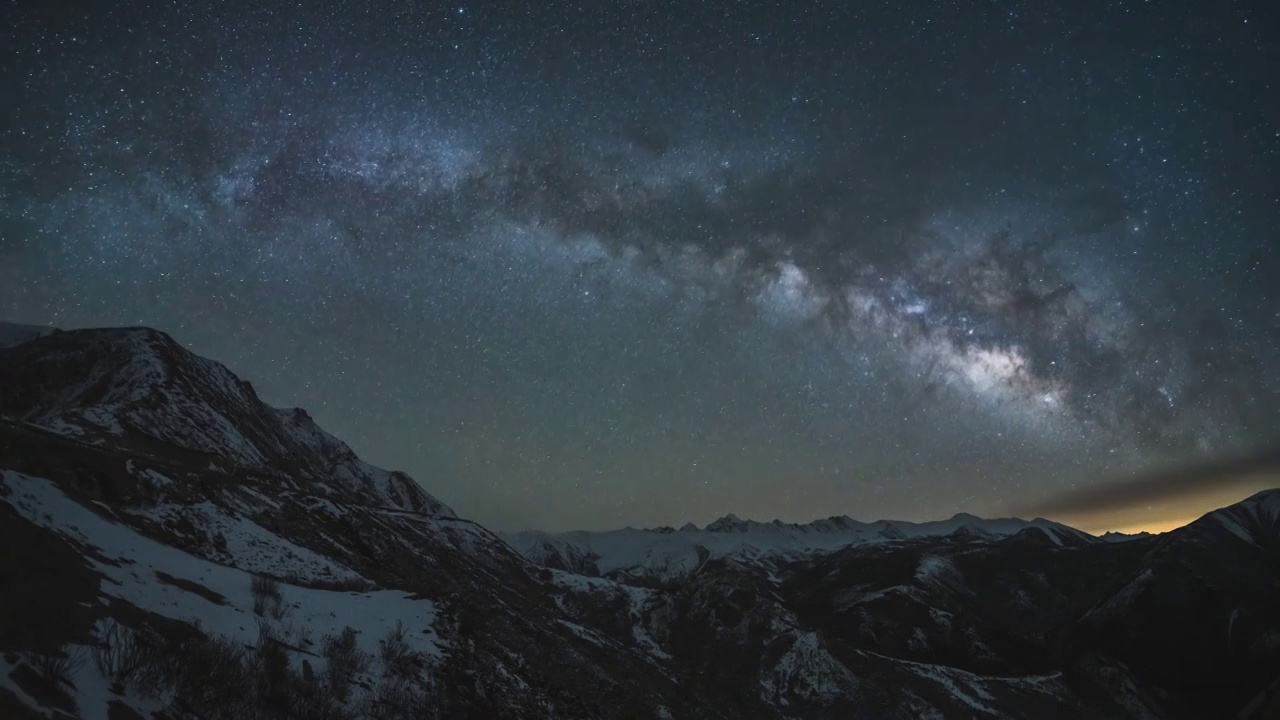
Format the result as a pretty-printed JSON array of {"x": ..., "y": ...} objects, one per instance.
[{"x": 585, "y": 265}]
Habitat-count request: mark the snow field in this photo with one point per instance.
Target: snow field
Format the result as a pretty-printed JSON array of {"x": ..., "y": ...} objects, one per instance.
[{"x": 131, "y": 565}]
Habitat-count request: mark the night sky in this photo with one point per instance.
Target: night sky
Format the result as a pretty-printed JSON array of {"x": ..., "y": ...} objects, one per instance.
[{"x": 636, "y": 263}]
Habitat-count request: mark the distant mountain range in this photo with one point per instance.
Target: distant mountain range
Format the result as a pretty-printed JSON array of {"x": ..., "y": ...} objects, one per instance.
[
  {"x": 175, "y": 548},
  {"x": 664, "y": 554}
]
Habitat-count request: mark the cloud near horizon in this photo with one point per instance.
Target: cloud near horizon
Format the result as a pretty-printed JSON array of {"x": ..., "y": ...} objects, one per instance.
[{"x": 1164, "y": 499}]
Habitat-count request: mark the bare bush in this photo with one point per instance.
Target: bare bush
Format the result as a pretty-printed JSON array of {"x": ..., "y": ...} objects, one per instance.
[
  {"x": 267, "y": 597},
  {"x": 317, "y": 703},
  {"x": 265, "y": 586},
  {"x": 154, "y": 673},
  {"x": 345, "y": 660},
  {"x": 398, "y": 659},
  {"x": 358, "y": 584},
  {"x": 121, "y": 653},
  {"x": 58, "y": 668},
  {"x": 276, "y": 685},
  {"x": 351, "y": 585},
  {"x": 266, "y": 632},
  {"x": 216, "y": 678},
  {"x": 212, "y": 676},
  {"x": 299, "y": 634},
  {"x": 397, "y": 699},
  {"x": 283, "y": 693}
]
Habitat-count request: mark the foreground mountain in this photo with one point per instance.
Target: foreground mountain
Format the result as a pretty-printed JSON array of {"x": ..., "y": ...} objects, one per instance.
[
  {"x": 148, "y": 488},
  {"x": 137, "y": 390},
  {"x": 178, "y": 549}
]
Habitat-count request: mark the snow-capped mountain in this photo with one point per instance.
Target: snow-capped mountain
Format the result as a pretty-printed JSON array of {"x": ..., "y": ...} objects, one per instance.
[
  {"x": 663, "y": 556},
  {"x": 1255, "y": 521},
  {"x": 174, "y": 548},
  {"x": 136, "y": 387},
  {"x": 151, "y": 493}
]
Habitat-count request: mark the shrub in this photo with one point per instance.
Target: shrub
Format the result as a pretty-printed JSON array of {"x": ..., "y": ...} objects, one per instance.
[
  {"x": 266, "y": 632},
  {"x": 317, "y": 703},
  {"x": 267, "y": 597},
  {"x": 276, "y": 685},
  {"x": 58, "y": 668},
  {"x": 345, "y": 660},
  {"x": 121, "y": 654},
  {"x": 397, "y": 699},
  {"x": 216, "y": 678},
  {"x": 357, "y": 584},
  {"x": 155, "y": 670},
  {"x": 398, "y": 659},
  {"x": 211, "y": 676}
]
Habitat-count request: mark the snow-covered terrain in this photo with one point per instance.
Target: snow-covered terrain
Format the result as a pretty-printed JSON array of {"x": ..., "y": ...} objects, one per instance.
[
  {"x": 1255, "y": 520},
  {"x": 217, "y": 598},
  {"x": 244, "y": 544},
  {"x": 664, "y": 555},
  {"x": 132, "y": 564},
  {"x": 150, "y": 500}
]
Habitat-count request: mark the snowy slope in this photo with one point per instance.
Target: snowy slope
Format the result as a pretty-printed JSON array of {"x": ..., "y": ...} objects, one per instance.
[
  {"x": 1255, "y": 520},
  {"x": 170, "y": 583},
  {"x": 166, "y": 543},
  {"x": 130, "y": 563},
  {"x": 177, "y": 554}
]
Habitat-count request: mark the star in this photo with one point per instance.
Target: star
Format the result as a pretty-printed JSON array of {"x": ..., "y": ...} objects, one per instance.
[{"x": 637, "y": 268}]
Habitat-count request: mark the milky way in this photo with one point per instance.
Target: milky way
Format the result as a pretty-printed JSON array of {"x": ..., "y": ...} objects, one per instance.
[{"x": 583, "y": 267}]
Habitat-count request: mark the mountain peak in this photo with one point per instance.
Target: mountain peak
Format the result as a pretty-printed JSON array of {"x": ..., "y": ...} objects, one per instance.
[
  {"x": 1255, "y": 520},
  {"x": 968, "y": 533},
  {"x": 1113, "y": 536},
  {"x": 140, "y": 389},
  {"x": 1262, "y": 500},
  {"x": 729, "y": 523}
]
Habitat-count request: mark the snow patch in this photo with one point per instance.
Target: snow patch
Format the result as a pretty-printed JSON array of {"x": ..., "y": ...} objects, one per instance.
[
  {"x": 1233, "y": 527},
  {"x": 1125, "y": 596},
  {"x": 933, "y": 569},
  {"x": 252, "y": 547},
  {"x": 806, "y": 671},
  {"x": 131, "y": 564}
]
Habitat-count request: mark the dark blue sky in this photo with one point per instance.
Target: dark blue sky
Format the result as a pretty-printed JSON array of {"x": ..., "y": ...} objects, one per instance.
[{"x": 641, "y": 263}]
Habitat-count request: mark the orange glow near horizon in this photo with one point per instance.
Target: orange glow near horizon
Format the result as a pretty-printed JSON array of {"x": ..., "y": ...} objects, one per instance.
[
  {"x": 1154, "y": 528},
  {"x": 1163, "y": 515}
]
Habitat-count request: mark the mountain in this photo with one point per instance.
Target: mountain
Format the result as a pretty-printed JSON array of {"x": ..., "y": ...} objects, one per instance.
[
  {"x": 136, "y": 389},
  {"x": 15, "y": 334},
  {"x": 1122, "y": 537},
  {"x": 655, "y": 558},
  {"x": 151, "y": 492},
  {"x": 175, "y": 548},
  {"x": 1255, "y": 521}
]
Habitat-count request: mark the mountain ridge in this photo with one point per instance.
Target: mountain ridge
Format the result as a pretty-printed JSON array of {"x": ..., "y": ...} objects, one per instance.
[
  {"x": 137, "y": 514},
  {"x": 137, "y": 385},
  {"x": 665, "y": 556}
]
